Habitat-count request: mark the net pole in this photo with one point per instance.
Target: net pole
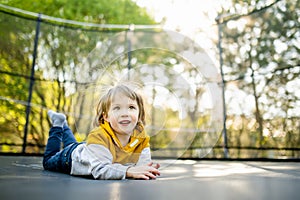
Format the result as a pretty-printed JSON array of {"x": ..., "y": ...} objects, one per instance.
[
  {"x": 224, "y": 131},
  {"x": 129, "y": 34},
  {"x": 28, "y": 106}
]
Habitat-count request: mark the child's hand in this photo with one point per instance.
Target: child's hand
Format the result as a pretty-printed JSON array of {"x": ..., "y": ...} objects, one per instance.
[{"x": 146, "y": 172}]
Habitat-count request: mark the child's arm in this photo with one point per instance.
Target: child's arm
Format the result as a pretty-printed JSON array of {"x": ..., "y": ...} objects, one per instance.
[
  {"x": 145, "y": 157},
  {"x": 96, "y": 160},
  {"x": 103, "y": 166}
]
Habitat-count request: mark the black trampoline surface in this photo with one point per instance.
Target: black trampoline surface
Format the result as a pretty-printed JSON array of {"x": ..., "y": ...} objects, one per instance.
[{"x": 24, "y": 178}]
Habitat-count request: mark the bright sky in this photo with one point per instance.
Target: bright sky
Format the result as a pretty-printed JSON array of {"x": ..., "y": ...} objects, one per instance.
[
  {"x": 193, "y": 18},
  {"x": 188, "y": 15}
]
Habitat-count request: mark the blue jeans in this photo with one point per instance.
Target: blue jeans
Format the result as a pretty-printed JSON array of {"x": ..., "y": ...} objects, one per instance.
[{"x": 56, "y": 159}]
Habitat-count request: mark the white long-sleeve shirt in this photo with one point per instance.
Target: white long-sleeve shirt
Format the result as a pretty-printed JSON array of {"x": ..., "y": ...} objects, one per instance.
[{"x": 97, "y": 160}]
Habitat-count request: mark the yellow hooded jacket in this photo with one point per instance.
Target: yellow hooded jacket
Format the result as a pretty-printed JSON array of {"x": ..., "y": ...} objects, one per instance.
[{"x": 104, "y": 135}]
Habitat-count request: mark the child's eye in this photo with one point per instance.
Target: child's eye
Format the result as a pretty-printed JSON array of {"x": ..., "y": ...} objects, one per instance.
[
  {"x": 116, "y": 108},
  {"x": 132, "y": 107}
]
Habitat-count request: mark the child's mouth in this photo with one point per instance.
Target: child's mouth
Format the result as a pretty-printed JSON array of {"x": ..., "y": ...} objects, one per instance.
[{"x": 124, "y": 122}]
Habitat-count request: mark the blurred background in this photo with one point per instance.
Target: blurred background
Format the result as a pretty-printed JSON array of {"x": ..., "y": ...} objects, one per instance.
[{"x": 220, "y": 78}]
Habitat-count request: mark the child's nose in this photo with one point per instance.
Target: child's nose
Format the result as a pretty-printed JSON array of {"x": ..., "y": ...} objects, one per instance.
[{"x": 124, "y": 112}]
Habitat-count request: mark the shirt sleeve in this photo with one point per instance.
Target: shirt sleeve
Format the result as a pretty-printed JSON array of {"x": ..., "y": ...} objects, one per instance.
[
  {"x": 100, "y": 160},
  {"x": 145, "y": 156}
]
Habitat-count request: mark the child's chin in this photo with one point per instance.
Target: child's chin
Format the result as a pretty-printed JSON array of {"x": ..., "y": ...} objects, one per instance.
[{"x": 125, "y": 132}]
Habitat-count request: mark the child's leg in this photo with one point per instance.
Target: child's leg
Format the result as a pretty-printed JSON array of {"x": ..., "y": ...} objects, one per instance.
[
  {"x": 59, "y": 120},
  {"x": 68, "y": 136},
  {"x": 52, "y": 152},
  {"x": 51, "y": 155}
]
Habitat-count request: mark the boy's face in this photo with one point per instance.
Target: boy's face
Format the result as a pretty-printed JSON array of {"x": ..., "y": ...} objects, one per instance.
[{"x": 123, "y": 114}]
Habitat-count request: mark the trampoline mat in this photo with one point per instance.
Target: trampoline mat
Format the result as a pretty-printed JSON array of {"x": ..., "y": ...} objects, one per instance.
[{"x": 24, "y": 178}]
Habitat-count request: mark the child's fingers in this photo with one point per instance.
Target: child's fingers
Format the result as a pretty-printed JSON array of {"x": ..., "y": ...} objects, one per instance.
[
  {"x": 157, "y": 166},
  {"x": 151, "y": 175},
  {"x": 154, "y": 171},
  {"x": 145, "y": 176}
]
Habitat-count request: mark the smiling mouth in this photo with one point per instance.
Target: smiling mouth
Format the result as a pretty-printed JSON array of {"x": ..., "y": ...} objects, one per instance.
[{"x": 124, "y": 122}]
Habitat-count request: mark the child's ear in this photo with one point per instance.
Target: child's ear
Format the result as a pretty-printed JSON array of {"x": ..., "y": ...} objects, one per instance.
[{"x": 104, "y": 116}]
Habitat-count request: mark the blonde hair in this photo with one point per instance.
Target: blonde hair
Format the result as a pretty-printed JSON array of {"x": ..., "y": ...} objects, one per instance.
[{"x": 106, "y": 99}]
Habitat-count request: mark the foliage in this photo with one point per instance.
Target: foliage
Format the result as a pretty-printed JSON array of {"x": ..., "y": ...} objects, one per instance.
[
  {"x": 92, "y": 11},
  {"x": 60, "y": 49},
  {"x": 261, "y": 58}
]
